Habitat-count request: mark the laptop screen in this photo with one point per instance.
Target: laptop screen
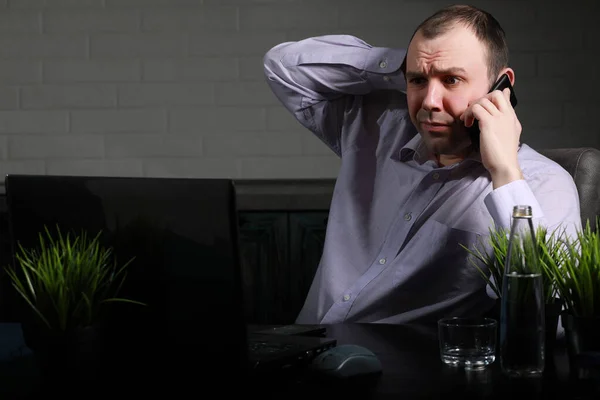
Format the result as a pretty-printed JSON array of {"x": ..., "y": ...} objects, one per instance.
[{"x": 182, "y": 237}]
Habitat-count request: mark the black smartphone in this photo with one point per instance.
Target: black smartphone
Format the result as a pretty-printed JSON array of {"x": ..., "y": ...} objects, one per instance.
[{"x": 502, "y": 83}]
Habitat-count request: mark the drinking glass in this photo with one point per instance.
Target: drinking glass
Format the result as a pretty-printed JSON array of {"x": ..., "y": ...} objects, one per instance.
[{"x": 467, "y": 342}]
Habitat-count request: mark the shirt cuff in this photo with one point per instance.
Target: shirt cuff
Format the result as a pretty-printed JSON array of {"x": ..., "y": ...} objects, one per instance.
[
  {"x": 500, "y": 202},
  {"x": 383, "y": 68}
]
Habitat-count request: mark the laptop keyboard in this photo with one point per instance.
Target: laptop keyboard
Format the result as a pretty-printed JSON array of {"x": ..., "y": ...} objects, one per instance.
[{"x": 263, "y": 348}]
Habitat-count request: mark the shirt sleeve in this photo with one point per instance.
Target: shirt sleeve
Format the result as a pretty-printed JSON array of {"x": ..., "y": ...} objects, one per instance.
[
  {"x": 553, "y": 198},
  {"x": 501, "y": 201},
  {"x": 316, "y": 78}
]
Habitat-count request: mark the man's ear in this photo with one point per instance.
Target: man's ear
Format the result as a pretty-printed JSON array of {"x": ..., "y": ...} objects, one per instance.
[{"x": 511, "y": 75}]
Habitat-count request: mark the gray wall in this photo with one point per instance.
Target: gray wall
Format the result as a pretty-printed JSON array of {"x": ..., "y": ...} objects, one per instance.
[{"x": 175, "y": 87}]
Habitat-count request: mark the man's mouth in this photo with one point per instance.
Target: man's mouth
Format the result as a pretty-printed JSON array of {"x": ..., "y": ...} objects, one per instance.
[{"x": 433, "y": 126}]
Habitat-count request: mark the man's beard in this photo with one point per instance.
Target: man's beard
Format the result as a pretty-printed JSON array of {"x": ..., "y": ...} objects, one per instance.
[{"x": 456, "y": 142}]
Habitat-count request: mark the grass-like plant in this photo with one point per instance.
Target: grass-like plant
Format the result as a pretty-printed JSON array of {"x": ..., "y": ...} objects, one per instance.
[
  {"x": 489, "y": 258},
  {"x": 577, "y": 273},
  {"x": 66, "y": 280}
]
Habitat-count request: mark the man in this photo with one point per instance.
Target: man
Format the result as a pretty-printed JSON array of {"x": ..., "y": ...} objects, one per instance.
[{"x": 412, "y": 188}]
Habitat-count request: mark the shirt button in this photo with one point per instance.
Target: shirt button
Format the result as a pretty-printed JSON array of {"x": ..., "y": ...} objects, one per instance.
[
  {"x": 383, "y": 64},
  {"x": 407, "y": 216},
  {"x": 436, "y": 176},
  {"x": 386, "y": 78},
  {"x": 346, "y": 297},
  {"x": 382, "y": 261}
]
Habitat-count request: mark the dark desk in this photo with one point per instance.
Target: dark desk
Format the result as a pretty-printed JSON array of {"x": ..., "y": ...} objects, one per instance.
[{"x": 412, "y": 369}]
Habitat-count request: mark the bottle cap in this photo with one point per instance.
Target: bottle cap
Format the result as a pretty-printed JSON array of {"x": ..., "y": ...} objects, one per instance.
[{"x": 522, "y": 211}]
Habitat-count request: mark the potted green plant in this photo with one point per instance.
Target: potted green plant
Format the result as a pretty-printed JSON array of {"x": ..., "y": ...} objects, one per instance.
[
  {"x": 577, "y": 280},
  {"x": 65, "y": 284},
  {"x": 489, "y": 255}
]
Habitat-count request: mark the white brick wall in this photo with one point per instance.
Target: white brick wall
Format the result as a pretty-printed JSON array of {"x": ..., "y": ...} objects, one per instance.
[{"x": 175, "y": 87}]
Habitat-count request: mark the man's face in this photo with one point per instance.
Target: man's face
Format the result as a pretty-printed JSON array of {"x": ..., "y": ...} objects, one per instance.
[{"x": 443, "y": 75}]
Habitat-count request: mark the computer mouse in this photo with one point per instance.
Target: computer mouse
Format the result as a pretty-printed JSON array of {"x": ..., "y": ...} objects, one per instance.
[{"x": 346, "y": 361}]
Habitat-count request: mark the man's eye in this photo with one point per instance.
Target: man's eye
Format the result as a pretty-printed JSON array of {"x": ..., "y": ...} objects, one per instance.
[
  {"x": 451, "y": 80},
  {"x": 417, "y": 81}
]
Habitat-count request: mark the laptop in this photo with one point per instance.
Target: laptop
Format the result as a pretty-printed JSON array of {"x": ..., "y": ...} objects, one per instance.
[{"x": 183, "y": 236}]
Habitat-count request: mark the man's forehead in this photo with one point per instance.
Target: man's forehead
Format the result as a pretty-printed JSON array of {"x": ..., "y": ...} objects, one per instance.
[
  {"x": 436, "y": 62},
  {"x": 445, "y": 53}
]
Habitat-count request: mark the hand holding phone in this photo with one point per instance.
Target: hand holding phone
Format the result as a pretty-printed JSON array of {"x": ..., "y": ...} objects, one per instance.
[{"x": 502, "y": 83}]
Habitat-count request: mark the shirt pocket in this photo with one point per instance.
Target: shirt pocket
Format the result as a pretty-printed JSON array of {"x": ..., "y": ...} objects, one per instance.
[{"x": 435, "y": 266}]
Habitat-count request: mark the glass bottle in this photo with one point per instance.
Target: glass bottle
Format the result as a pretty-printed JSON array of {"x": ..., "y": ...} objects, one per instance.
[{"x": 522, "y": 324}]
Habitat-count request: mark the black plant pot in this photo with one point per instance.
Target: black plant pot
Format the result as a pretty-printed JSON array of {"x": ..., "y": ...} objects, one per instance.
[
  {"x": 583, "y": 344},
  {"x": 553, "y": 311},
  {"x": 66, "y": 361}
]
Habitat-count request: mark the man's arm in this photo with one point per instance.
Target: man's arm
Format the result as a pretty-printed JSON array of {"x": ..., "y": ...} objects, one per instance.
[
  {"x": 545, "y": 186},
  {"x": 552, "y": 194},
  {"x": 316, "y": 79}
]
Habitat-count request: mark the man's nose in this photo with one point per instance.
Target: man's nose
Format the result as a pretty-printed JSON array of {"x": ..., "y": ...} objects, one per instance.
[{"x": 433, "y": 98}]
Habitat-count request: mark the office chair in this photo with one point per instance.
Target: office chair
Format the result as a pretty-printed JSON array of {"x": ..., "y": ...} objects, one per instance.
[{"x": 583, "y": 163}]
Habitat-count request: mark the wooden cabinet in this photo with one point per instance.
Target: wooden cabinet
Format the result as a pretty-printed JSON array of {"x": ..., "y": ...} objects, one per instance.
[{"x": 280, "y": 252}]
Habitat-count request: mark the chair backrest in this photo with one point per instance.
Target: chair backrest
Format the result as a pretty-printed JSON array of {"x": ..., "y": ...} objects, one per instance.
[{"x": 583, "y": 164}]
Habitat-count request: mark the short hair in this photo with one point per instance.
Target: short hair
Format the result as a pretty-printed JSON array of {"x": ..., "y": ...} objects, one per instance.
[{"x": 485, "y": 27}]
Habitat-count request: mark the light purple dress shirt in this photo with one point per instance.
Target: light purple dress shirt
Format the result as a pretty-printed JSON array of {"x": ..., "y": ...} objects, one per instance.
[{"x": 392, "y": 250}]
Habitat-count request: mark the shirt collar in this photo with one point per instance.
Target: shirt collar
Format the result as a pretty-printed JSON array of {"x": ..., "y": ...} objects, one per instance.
[{"x": 415, "y": 148}]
